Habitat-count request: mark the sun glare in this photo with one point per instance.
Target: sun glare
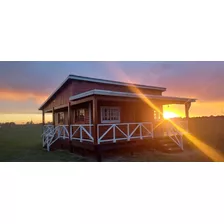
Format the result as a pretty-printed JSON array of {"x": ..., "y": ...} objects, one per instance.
[{"x": 168, "y": 115}]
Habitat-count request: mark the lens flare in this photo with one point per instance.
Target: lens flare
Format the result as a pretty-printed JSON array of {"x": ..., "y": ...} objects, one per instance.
[
  {"x": 203, "y": 147},
  {"x": 169, "y": 114}
]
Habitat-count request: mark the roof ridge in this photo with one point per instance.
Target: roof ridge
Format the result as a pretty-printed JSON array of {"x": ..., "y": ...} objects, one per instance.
[{"x": 87, "y": 78}]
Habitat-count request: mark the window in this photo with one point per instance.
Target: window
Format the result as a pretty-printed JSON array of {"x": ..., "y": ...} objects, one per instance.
[
  {"x": 61, "y": 117},
  {"x": 156, "y": 115},
  {"x": 79, "y": 115},
  {"x": 110, "y": 114}
]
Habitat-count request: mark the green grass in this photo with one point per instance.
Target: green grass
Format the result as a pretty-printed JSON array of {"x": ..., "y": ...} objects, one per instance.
[{"x": 23, "y": 143}]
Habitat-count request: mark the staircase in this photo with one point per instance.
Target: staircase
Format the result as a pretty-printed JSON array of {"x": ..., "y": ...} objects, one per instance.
[
  {"x": 166, "y": 144},
  {"x": 51, "y": 134}
]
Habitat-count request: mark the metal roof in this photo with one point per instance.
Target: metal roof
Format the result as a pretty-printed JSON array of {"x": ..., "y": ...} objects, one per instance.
[
  {"x": 131, "y": 95},
  {"x": 96, "y": 80}
]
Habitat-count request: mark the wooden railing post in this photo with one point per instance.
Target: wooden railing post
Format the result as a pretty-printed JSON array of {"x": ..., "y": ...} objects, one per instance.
[
  {"x": 114, "y": 133},
  {"x": 95, "y": 120},
  {"x": 69, "y": 126},
  {"x": 140, "y": 126},
  {"x": 128, "y": 132},
  {"x": 53, "y": 116},
  {"x": 187, "y": 108},
  {"x": 152, "y": 131},
  {"x": 80, "y": 133}
]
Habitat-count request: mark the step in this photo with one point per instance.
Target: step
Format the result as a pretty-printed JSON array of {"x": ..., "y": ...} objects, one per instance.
[
  {"x": 171, "y": 150},
  {"x": 169, "y": 144}
]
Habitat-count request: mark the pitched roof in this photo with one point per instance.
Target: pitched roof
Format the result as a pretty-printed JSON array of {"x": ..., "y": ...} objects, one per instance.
[{"x": 105, "y": 81}]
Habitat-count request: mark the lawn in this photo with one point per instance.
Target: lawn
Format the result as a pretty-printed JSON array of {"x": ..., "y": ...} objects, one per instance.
[{"x": 23, "y": 143}]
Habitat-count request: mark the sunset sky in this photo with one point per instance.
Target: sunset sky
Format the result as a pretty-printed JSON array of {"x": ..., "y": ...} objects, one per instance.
[{"x": 25, "y": 85}]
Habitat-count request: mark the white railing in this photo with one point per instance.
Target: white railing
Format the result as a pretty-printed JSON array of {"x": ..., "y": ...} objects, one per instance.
[
  {"x": 47, "y": 131},
  {"x": 174, "y": 134},
  {"x": 124, "y": 131},
  {"x": 82, "y": 132},
  {"x": 51, "y": 134},
  {"x": 62, "y": 131}
]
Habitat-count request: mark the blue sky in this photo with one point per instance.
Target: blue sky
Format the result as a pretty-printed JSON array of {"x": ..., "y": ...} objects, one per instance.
[{"x": 24, "y": 85}]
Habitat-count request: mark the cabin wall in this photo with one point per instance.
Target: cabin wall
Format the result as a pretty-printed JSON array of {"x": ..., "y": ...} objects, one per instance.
[
  {"x": 87, "y": 117},
  {"x": 65, "y": 118},
  {"x": 83, "y": 86},
  {"x": 75, "y": 87},
  {"x": 129, "y": 112},
  {"x": 61, "y": 98}
]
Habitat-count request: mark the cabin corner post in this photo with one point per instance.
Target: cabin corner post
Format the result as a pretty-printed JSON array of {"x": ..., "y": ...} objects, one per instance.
[
  {"x": 69, "y": 125},
  {"x": 95, "y": 123},
  {"x": 43, "y": 118},
  {"x": 187, "y": 108},
  {"x": 95, "y": 120},
  {"x": 53, "y": 116}
]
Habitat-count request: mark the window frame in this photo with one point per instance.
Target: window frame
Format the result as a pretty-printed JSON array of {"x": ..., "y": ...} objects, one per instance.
[
  {"x": 61, "y": 117},
  {"x": 77, "y": 115},
  {"x": 110, "y": 121}
]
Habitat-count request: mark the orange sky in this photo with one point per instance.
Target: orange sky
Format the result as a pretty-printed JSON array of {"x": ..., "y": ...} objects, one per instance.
[
  {"x": 25, "y": 85},
  {"x": 197, "y": 109}
]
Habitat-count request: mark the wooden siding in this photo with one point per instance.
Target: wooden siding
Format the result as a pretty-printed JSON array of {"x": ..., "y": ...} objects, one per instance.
[
  {"x": 83, "y": 86},
  {"x": 61, "y": 98},
  {"x": 73, "y": 121},
  {"x": 135, "y": 111},
  {"x": 129, "y": 111},
  {"x": 65, "y": 118},
  {"x": 81, "y": 106},
  {"x": 74, "y": 87}
]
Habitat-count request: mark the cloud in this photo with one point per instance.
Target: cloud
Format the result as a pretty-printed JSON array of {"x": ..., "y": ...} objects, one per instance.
[
  {"x": 19, "y": 96},
  {"x": 203, "y": 80},
  {"x": 29, "y": 106},
  {"x": 25, "y": 85}
]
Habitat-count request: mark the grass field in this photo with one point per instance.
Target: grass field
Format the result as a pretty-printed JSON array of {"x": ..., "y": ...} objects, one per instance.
[{"x": 23, "y": 143}]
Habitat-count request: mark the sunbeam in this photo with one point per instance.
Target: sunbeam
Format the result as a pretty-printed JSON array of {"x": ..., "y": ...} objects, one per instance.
[{"x": 203, "y": 147}]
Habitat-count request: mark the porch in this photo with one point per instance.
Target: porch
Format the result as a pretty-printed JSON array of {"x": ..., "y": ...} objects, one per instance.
[
  {"x": 105, "y": 117},
  {"x": 110, "y": 133}
]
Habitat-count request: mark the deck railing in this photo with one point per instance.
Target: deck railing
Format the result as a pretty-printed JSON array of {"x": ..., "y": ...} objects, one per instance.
[
  {"x": 175, "y": 134},
  {"x": 124, "y": 131},
  {"x": 51, "y": 134},
  {"x": 81, "y": 132},
  {"x": 109, "y": 132}
]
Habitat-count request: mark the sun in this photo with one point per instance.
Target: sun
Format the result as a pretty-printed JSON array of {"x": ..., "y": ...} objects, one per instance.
[{"x": 168, "y": 115}]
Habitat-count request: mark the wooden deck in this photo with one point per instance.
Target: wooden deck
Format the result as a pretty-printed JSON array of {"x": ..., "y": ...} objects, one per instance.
[{"x": 111, "y": 137}]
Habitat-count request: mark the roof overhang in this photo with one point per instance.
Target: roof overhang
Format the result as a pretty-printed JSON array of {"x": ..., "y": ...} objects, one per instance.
[
  {"x": 62, "y": 84},
  {"x": 104, "y": 81},
  {"x": 164, "y": 99}
]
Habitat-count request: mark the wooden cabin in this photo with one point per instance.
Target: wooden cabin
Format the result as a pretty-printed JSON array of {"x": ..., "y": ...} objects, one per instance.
[{"x": 90, "y": 112}]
